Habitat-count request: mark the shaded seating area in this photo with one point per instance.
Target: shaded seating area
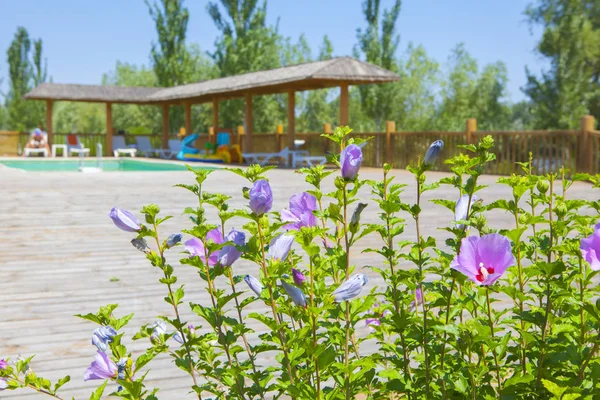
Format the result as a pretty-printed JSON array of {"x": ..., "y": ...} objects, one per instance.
[{"x": 336, "y": 72}]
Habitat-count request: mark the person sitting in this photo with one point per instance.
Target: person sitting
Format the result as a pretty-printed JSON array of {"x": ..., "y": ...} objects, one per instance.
[{"x": 38, "y": 140}]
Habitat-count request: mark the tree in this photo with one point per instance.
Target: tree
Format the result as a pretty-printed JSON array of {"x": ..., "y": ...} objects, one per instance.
[
  {"x": 247, "y": 44},
  {"x": 467, "y": 94},
  {"x": 170, "y": 57},
  {"x": 24, "y": 73},
  {"x": 416, "y": 99},
  {"x": 571, "y": 43},
  {"x": 378, "y": 48}
]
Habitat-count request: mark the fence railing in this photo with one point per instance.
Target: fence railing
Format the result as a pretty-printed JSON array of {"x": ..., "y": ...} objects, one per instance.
[{"x": 577, "y": 150}]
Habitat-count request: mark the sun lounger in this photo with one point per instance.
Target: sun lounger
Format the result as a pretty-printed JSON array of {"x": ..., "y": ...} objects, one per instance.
[
  {"x": 74, "y": 146},
  {"x": 28, "y": 151},
  {"x": 174, "y": 148},
  {"x": 119, "y": 147},
  {"x": 266, "y": 158},
  {"x": 310, "y": 161},
  {"x": 144, "y": 146}
]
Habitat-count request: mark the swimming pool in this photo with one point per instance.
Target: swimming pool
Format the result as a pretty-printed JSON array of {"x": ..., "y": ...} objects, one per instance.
[{"x": 126, "y": 165}]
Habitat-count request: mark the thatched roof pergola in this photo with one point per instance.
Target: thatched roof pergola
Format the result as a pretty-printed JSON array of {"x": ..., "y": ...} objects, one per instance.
[{"x": 342, "y": 72}]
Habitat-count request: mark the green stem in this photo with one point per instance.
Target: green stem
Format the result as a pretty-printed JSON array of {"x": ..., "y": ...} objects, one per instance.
[
  {"x": 521, "y": 287},
  {"x": 314, "y": 326},
  {"x": 489, "y": 313},
  {"x": 587, "y": 360},
  {"x": 42, "y": 391},
  {"x": 347, "y": 315},
  {"x": 274, "y": 305},
  {"x": 582, "y": 273},
  {"x": 174, "y": 304},
  {"x": 425, "y": 351},
  {"x": 544, "y": 333},
  {"x": 391, "y": 262}
]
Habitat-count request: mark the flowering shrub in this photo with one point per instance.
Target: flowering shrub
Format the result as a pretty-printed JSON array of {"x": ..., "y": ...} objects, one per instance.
[{"x": 488, "y": 314}]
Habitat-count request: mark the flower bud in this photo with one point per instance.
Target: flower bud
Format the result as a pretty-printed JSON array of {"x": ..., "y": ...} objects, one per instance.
[
  {"x": 3, "y": 364},
  {"x": 261, "y": 197},
  {"x": 229, "y": 254},
  {"x": 298, "y": 277},
  {"x": 253, "y": 284},
  {"x": 280, "y": 246},
  {"x": 542, "y": 185},
  {"x": 295, "y": 293},
  {"x": 355, "y": 220},
  {"x": 140, "y": 244},
  {"x": 124, "y": 220},
  {"x": 173, "y": 239},
  {"x": 350, "y": 160},
  {"x": 350, "y": 288},
  {"x": 102, "y": 337},
  {"x": 560, "y": 209},
  {"x": 433, "y": 152}
]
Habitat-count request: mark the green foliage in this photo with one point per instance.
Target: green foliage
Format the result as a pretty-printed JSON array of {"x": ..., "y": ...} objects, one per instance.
[
  {"x": 571, "y": 43},
  {"x": 26, "y": 71}
]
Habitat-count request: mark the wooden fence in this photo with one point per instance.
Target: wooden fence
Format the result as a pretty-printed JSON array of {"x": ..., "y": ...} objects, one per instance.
[{"x": 577, "y": 150}]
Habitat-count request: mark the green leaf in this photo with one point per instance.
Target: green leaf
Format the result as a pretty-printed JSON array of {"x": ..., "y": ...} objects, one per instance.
[
  {"x": 97, "y": 395},
  {"x": 61, "y": 382},
  {"x": 554, "y": 388}
]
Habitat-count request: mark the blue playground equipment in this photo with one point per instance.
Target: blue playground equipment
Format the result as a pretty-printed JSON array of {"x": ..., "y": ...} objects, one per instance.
[{"x": 186, "y": 147}]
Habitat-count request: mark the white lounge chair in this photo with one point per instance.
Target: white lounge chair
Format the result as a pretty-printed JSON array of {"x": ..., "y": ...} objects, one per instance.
[
  {"x": 266, "y": 158},
  {"x": 119, "y": 147},
  {"x": 310, "y": 161},
  {"x": 145, "y": 147},
  {"x": 74, "y": 146},
  {"x": 41, "y": 150},
  {"x": 174, "y": 148}
]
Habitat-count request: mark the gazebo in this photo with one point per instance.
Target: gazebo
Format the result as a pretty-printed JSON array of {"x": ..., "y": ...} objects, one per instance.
[{"x": 341, "y": 71}]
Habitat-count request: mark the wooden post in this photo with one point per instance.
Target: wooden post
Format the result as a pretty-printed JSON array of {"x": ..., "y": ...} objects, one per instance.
[
  {"x": 49, "y": 129},
  {"x": 471, "y": 128},
  {"x": 390, "y": 126},
  {"x": 215, "y": 110},
  {"x": 344, "y": 104},
  {"x": 108, "y": 150},
  {"x": 587, "y": 126},
  {"x": 187, "y": 107},
  {"x": 291, "y": 109},
  {"x": 327, "y": 131},
  {"x": 248, "y": 123},
  {"x": 279, "y": 134},
  {"x": 240, "y": 134},
  {"x": 165, "y": 126}
]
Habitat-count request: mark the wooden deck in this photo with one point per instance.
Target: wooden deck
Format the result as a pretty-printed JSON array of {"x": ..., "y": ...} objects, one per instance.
[{"x": 60, "y": 255}]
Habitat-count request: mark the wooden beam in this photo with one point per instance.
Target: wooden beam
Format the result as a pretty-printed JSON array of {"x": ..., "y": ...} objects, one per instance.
[
  {"x": 215, "y": 110},
  {"x": 344, "y": 104},
  {"x": 187, "y": 107},
  {"x": 248, "y": 123},
  {"x": 165, "y": 126},
  {"x": 49, "y": 130},
  {"x": 109, "y": 130},
  {"x": 291, "y": 109}
]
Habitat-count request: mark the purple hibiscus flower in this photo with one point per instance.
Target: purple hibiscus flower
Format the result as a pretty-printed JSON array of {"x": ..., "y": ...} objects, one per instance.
[
  {"x": 101, "y": 368},
  {"x": 300, "y": 212},
  {"x": 195, "y": 246},
  {"x": 590, "y": 248},
  {"x": 484, "y": 259}
]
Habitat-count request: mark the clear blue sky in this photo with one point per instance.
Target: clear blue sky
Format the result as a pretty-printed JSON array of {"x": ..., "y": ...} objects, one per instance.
[{"x": 84, "y": 39}]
